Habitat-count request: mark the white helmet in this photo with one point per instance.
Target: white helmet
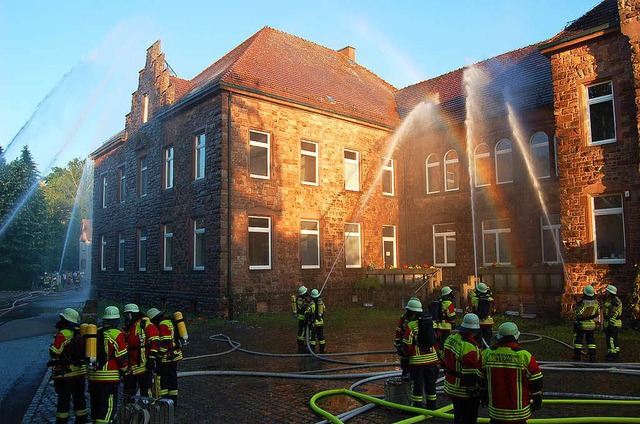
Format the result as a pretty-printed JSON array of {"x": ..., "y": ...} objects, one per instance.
[
  {"x": 470, "y": 322},
  {"x": 446, "y": 290},
  {"x": 588, "y": 290},
  {"x": 71, "y": 315},
  {"x": 153, "y": 312},
  {"x": 131, "y": 307},
  {"x": 482, "y": 288},
  {"x": 111, "y": 312},
  {"x": 414, "y": 305},
  {"x": 508, "y": 329},
  {"x": 612, "y": 289},
  {"x": 302, "y": 290},
  {"x": 315, "y": 293}
]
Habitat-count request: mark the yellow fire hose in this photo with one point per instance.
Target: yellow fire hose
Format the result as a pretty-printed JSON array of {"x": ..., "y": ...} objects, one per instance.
[{"x": 423, "y": 414}]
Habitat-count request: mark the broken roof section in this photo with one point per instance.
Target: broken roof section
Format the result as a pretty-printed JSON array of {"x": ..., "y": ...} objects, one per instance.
[{"x": 603, "y": 16}]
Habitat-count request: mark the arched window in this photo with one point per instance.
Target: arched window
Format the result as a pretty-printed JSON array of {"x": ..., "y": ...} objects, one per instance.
[
  {"x": 451, "y": 171},
  {"x": 504, "y": 162},
  {"x": 482, "y": 168},
  {"x": 433, "y": 174},
  {"x": 540, "y": 154}
]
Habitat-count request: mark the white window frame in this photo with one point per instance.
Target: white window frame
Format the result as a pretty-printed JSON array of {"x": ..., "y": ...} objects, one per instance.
[
  {"x": 199, "y": 156},
  {"x": 496, "y": 231},
  {"x": 121, "y": 252},
  {"x": 500, "y": 151},
  {"x": 447, "y": 163},
  {"x": 543, "y": 146},
  {"x": 601, "y": 99},
  {"x": 603, "y": 212},
  {"x": 142, "y": 238},
  {"x": 351, "y": 183},
  {"x": 167, "y": 235},
  {"x": 143, "y": 183},
  {"x": 266, "y": 230},
  {"x": 357, "y": 235},
  {"x": 315, "y": 233},
  {"x": 429, "y": 165},
  {"x": 145, "y": 108},
  {"x": 554, "y": 229},
  {"x": 168, "y": 168},
  {"x": 481, "y": 156},
  {"x": 103, "y": 252},
  {"x": 198, "y": 232},
  {"x": 388, "y": 169},
  {"x": 442, "y": 237},
  {"x": 122, "y": 184},
  {"x": 105, "y": 184},
  {"x": 392, "y": 240},
  {"x": 264, "y": 145},
  {"x": 312, "y": 154}
]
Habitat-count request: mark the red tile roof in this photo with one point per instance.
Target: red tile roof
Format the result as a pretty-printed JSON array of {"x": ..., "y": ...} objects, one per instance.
[
  {"x": 604, "y": 15},
  {"x": 182, "y": 86}
]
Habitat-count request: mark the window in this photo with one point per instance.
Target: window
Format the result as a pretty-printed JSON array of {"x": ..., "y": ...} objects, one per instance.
[
  {"x": 602, "y": 121},
  {"x": 167, "y": 254},
  {"x": 496, "y": 243},
  {"x": 104, "y": 191},
  {"x": 142, "y": 176},
  {"x": 122, "y": 185},
  {"x": 387, "y": 177},
  {"x": 168, "y": 168},
  {"x": 433, "y": 174},
  {"x": 504, "y": 162},
  {"x": 198, "y": 244},
  {"x": 259, "y": 154},
  {"x": 103, "y": 253},
  {"x": 309, "y": 162},
  {"x": 145, "y": 108},
  {"x": 310, "y": 244},
  {"x": 608, "y": 229},
  {"x": 540, "y": 154},
  {"x": 142, "y": 249},
  {"x": 550, "y": 239},
  {"x": 120, "y": 252},
  {"x": 444, "y": 244},
  {"x": 451, "y": 171},
  {"x": 482, "y": 168},
  {"x": 259, "y": 242},
  {"x": 389, "y": 245},
  {"x": 352, "y": 252},
  {"x": 200, "y": 142},
  {"x": 351, "y": 170}
]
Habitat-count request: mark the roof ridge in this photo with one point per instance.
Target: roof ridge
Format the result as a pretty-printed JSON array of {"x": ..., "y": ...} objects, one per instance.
[{"x": 253, "y": 39}]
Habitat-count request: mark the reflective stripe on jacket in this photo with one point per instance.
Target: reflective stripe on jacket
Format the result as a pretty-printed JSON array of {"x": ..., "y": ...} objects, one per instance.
[
  {"x": 142, "y": 343},
  {"x": 612, "y": 312},
  {"x": 587, "y": 310},
  {"x": 167, "y": 349},
  {"x": 61, "y": 349},
  {"x": 117, "y": 359},
  {"x": 462, "y": 362},
  {"x": 448, "y": 315},
  {"x": 411, "y": 349}
]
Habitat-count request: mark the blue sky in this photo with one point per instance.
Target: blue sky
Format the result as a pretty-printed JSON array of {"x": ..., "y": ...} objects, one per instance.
[{"x": 67, "y": 69}]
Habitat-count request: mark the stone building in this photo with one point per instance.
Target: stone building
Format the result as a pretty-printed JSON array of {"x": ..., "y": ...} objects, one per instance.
[{"x": 288, "y": 162}]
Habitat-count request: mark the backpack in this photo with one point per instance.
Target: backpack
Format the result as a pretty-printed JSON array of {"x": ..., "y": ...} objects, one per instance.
[
  {"x": 484, "y": 307},
  {"x": 101, "y": 355},
  {"x": 426, "y": 334},
  {"x": 76, "y": 348},
  {"x": 435, "y": 310}
]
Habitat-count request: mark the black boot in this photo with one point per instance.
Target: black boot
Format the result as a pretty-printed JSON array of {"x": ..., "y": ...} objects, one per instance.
[
  {"x": 592, "y": 355},
  {"x": 577, "y": 354},
  {"x": 322, "y": 348},
  {"x": 431, "y": 405},
  {"x": 313, "y": 348},
  {"x": 301, "y": 347},
  {"x": 417, "y": 404}
]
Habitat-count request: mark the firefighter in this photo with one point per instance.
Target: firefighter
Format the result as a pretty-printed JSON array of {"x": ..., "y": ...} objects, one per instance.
[
  {"x": 46, "y": 282},
  {"x": 305, "y": 310},
  {"x": 445, "y": 315},
  {"x": 462, "y": 362},
  {"x": 317, "y": 330},
  {"x": 482, "y": 304},
  {"x": 397, "y": 343},
  {"x": 169, "y": 354},
  {"x": 612, "y": 312},
  {"x": 587, "y": 310},
  {"x": 111, "y": 365},
  {"x": 67, "y": 351},
  {"x": 418, "y": 345},
  {"x": 142, "y": 346},
  {"x": 510, "y": 379}
]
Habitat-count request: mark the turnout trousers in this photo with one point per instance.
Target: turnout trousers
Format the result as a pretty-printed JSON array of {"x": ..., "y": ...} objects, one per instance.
[
  {"x": 104, "y": 401},
  {"x": 67, "y": 388},
  {"x": 131, "y": 383},
  {"x": 591, "y": 343},
  {"x": 423, "y": 384},
  {"x": 613, "y": 344},
  {"x": 167, "y": 381},
  {"x": 465, "y": 411}
]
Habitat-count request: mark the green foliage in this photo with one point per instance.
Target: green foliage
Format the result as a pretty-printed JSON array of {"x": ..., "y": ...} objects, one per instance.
[{"x": 368, "y": 283}]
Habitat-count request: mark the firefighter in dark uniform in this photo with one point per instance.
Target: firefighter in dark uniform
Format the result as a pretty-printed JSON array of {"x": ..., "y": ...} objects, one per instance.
[
  {"x": 587, "y": 310},
  {"x": 69, "y": 369},
  {"x": 445, "y": 317},
  {"x": 169, "y": 354},
  {"x": 111, "y": 365},
  {"x": 317, "y": 330},
  {"x": 482, "y": 304},
  {"x": 305, "y": 310},
  {"x": 142, "y": 346},
  {"x": 612, "y": 314},
  {"x": 397, "y": 343}
]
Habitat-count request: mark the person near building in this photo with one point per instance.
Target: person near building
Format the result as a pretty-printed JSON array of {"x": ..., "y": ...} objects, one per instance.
[
  {"x": 612, "y": 314},
  {"x": 482, "y": 304},
  {"x": 169, "y": 354},
  {"x": 69, "y": 369},
  {"x": 111, "y": 365},
  {"x": 586, "y": 310},
  {"x": 397, "y": 343},
  {"x": 305, "y": 311},
  {"x": 418, "y": 344},
  {"x": 462, "y": 362},
  {"x": 142, "y": 345},
  {"x": 317, "y": 330},
  {"x": 444, "y": 314},
  {"x": 510, "y": 379}
]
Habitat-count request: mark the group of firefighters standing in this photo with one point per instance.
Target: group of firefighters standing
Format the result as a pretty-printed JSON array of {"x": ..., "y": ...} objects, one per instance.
[{"x": 146, "y": 346}]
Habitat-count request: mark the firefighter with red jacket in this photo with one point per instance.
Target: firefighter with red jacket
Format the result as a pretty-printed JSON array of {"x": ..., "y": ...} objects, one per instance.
[
  {"x": 111, "y": 364},
  {"x": 69, "y": 369},
  {"x": 142, "y": 345},
  {"x": 587, "y": 311},
  {"x": 612, "y": 312},
  {"x": 462, "y": 363},
  {"x": 169, "y": 354},
  {"x": 418, "y": 345},
  {"x": 510, "y": 379},
  {"x": 482, "y": 304},
  {"x": 446, "y": 315}
]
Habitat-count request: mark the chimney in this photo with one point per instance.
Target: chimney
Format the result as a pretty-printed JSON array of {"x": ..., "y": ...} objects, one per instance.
[{"x": 350, "y": 52}]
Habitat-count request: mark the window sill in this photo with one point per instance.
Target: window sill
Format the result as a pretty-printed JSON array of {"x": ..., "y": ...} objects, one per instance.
[
  {"x": 601, "y": 142},
  {"x": 259, "y": 268},
  {"x": 611, "y": 261},
  {"x": 445, "y": 265},
  {"x": 199, "y": 268}
]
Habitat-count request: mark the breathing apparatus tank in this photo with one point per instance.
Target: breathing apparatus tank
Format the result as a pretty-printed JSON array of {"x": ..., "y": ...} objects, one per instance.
[
  {"x": 83, "y": 329},
  {"x": 294, "y": 303},
  {"x": 181, "y": 327},
  {"x": 91, "y": 343}
]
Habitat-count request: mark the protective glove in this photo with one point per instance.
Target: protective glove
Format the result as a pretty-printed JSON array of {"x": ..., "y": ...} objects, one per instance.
[
  {"x": 484, "y": 398},
  {"x": 151, "y": 364},
  {"x": 536, "y": 402}
]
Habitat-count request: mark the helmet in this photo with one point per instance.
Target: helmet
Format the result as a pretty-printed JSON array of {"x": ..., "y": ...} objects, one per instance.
[
  {"x": 131, "y": 307},
  {"x": 414, "y": 305},
  {"x": 612, "y": 289},
  {"x": 588, "y": 290},
  {"x": 153, "y": 312},
  {"x": 71, "y": 315},
  {"x": 302, "y": 290},
  {"x": 111, "y": 312},
  {"x": 470, "y": 322},
  {"x": 315, "y": 293},
  {"x": 482, "y": 288},
  {"x": 446, "y": 290},
  {"x": 508, "y": 329}
]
